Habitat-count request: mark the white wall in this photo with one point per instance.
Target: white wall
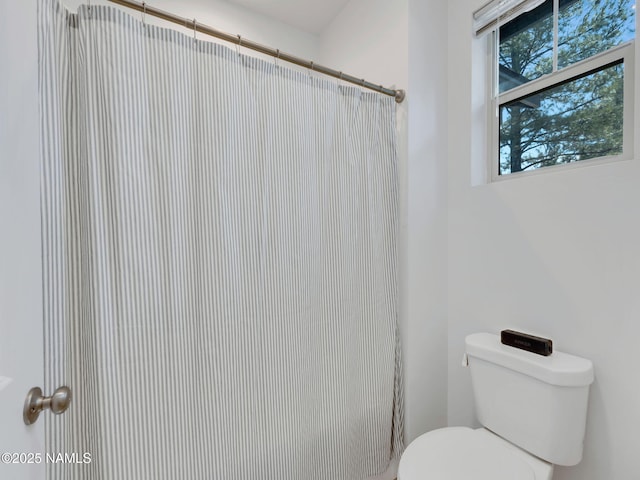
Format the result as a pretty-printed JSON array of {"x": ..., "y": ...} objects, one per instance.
[
  {"x": 229, "y": 18},
  {"x": 403, "y": 44},
  {"x": 368, "y": 39},
  {"x": 426, "y": 273},
  {"x": 554, "y": 254}
]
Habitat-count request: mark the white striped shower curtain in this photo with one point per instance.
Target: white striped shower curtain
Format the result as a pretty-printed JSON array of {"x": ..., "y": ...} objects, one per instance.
[{"x": 220, "y": 256}]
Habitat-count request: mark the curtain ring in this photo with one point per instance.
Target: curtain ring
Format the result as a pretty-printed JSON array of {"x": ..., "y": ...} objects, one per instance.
[
  {"x": 277, "y": 56},
  {"x": 194, "y": 29},
  {"x": 144, "y": 13},
  {"x": 239, "y": 44}
]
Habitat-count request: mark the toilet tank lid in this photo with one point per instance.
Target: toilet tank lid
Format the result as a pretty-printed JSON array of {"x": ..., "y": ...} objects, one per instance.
[{"x": 559, "y": 368}]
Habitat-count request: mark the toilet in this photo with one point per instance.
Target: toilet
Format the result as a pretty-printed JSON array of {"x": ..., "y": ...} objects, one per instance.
[{"x": 532, "y": 409}]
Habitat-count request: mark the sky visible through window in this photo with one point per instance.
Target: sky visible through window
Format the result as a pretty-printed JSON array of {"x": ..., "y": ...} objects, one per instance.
[{"x": 577, "y": 120}]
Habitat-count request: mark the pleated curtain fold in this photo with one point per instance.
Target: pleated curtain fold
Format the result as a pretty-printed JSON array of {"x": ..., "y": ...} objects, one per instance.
[{"x": 219, "y": 257}]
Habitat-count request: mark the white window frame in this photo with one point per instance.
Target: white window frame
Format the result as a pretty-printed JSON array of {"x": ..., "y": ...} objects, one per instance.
[{"x": 624, "y": 52}]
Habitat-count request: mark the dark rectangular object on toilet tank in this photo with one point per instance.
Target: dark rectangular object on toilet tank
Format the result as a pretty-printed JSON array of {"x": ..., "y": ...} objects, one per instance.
[{"x": 530, "y": 343}]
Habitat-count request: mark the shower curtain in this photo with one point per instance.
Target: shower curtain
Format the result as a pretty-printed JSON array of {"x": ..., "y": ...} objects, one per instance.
[{"x": 220, "y": 260}]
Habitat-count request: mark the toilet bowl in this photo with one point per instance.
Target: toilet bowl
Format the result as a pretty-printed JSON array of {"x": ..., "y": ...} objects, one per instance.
[
  {"x": 533, "y": 410},
  {"x": 461, "y": 453}
]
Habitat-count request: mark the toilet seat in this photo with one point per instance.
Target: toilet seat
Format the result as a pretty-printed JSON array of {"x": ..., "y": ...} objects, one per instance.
[{"x": 460, "y": 453}]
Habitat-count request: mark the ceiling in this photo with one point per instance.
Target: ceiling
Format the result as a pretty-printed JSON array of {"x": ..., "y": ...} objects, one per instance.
[{"x": 309, "y": 15}]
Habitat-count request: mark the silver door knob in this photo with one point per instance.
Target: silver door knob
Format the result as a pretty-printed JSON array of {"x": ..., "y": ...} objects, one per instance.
[{"x": 36, "y": 402}]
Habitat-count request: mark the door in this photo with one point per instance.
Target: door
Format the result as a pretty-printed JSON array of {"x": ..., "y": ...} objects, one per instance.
[{"x": 21, "y": 341}]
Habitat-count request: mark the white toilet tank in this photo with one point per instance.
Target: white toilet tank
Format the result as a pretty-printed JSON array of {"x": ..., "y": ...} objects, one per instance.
[{"x": 537, "y": 403}]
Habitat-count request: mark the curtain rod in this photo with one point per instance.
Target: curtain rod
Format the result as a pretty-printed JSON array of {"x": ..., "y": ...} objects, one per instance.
[{"x": 238, "y": 40}]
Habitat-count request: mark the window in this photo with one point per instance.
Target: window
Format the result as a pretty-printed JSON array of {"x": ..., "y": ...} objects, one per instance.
[{"x": 563, "y": 84}]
